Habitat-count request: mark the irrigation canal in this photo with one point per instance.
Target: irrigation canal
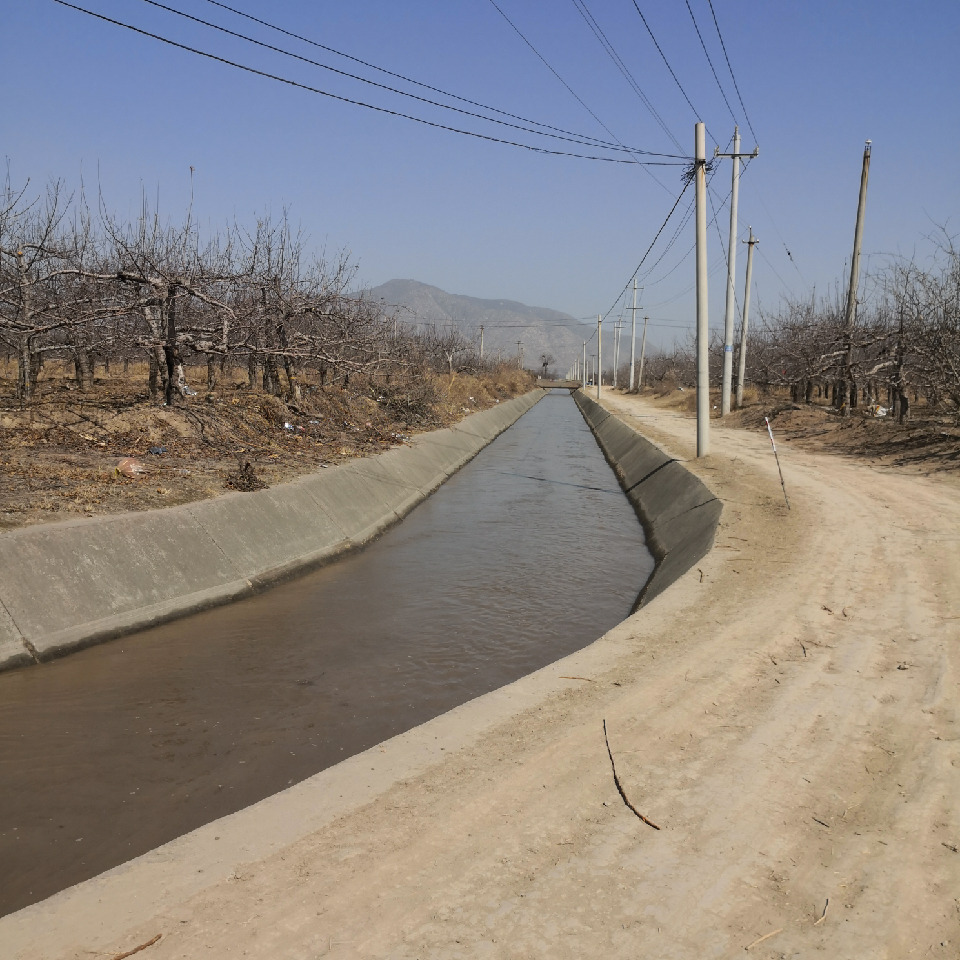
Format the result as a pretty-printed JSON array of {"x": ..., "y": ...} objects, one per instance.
[{"x": 527, "y": 554}]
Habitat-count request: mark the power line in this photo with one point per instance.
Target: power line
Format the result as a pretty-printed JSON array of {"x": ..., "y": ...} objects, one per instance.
[
  {"x": 665, "y": 60},
  {"x": 736, "y": 86},
  {"x": 621, "y": 66},
  {"x": 570, "y": 89},
  {"x": 707, "y": 55},
  {"x": 398, "y": 76},
  {"x": 647, "y": 252},
  {"x": 357, "y": 103},
  {"x": 573, "y": 138}
]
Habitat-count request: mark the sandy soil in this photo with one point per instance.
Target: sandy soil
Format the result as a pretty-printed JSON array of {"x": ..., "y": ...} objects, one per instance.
[{"x": 787, "y": 714}]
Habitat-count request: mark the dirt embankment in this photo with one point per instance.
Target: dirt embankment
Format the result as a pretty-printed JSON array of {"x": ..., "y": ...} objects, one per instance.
[
  {"x": 59, "y": 456},
  {"x": 788, "y": 714}
]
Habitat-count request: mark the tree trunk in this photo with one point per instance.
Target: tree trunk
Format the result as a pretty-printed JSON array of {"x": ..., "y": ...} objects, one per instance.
[
  {"x": 28, "y": 369},
  {"x": 271, "y": 375},
  {"x": 83, "y": 364},
  {"x": 904, "y": 410},
  {"x": 171, "y": 353},
  {"x": 154, "y": 378}
]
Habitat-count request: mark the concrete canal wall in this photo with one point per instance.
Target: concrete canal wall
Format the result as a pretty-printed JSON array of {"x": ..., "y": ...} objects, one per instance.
[
  {"x": 69, "y": 585},
  {"x": 678, "y": 511}
]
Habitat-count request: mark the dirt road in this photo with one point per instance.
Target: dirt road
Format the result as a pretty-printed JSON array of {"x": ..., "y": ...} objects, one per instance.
[{"x": 787, "y": 714}]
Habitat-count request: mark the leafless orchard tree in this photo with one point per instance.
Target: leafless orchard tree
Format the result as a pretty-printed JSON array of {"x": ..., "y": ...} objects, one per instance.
[{"x": 90, "y": 287}]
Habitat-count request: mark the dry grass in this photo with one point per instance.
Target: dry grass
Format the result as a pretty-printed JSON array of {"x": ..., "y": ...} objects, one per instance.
[{"x": 58, "y": 457}]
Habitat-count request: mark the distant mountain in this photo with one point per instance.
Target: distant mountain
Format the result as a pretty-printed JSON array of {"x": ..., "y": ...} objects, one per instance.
[{"x": 504, "y": 322}]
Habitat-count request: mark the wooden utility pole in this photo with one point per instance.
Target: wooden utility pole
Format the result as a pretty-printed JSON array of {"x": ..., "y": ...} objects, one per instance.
[
  {"x": 742, "y": 365},
  {"x": 849, "y": 387},
  {"x": 703, "y": 355}
]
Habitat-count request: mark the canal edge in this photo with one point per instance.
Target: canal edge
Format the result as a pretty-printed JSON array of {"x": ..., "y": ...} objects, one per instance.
[
  {"x": 679, "y": 512},
  {"x": 65, "y": 586}
]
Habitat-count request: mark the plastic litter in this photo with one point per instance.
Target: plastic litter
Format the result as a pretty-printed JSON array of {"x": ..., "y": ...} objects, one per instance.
[
  {"x": 158, "y": 451},
  {"x": 128, "y": 467}
]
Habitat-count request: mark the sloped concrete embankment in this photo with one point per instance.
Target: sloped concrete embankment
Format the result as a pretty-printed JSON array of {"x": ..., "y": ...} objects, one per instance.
[
  {"x": 678, "y": 511},
  {"x": 68, "y": 585}
]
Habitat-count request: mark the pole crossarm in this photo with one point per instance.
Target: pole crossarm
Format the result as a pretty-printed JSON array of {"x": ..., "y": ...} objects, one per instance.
[{"x": 736, "y": 156}]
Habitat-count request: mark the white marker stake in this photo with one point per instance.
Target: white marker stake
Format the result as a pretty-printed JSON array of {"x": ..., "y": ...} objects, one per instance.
[{"x": 772, "y": 444}]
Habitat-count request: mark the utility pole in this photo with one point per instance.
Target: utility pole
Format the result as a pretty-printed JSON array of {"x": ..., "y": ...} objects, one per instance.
[
  {"x": 584, "y": 371},
  {"x": 643, "y": 350},
  {"x": 848, "y": 390},
  {"x": 599, "y": 367},
  {"x": 731, "y": 270},
  {"x": 519, "y": 354},
  {"x": 742, "y": 365},
  {"x": 633, "y": 337},
  {"x": 616, "y": 350},
  {"x": 703, "y": 356},
  {"x": 481, "y": 341}
]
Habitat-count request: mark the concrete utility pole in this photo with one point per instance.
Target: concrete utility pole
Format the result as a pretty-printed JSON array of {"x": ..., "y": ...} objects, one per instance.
[
  {"x": 742, "y": 365},
  {"x": 519, "y": 354},
  {"x": 703, "y": 356},
  {"x": 633, "y": 337},
  {"x": 849, "y": 388},
  {"x": 599, "y": 366},
  {"x": 616, "y": 350},
  {"x": 481, "y": 341},
  {"x": 731, "y": 270},
  {"x": 584, "y": 371},
  {"x": 643, "y": 349}
]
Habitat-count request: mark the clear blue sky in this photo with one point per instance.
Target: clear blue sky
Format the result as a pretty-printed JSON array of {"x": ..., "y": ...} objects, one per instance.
[{"x": 88, "y": 99}]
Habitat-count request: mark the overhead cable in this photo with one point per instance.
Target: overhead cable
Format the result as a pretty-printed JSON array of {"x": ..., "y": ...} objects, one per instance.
[
  {"x": 663, "y": 56},
  {"x": 357, "y": 103},
  {"x": 647, "y": 252},
  {"x": 597, "y": 31},
  {"x": 733, "y": 77},
  {"x": 574, "y": 138},
  {"x": 709, "y": 61},
  {"x": 570, "y": 89},
  {"x": 398, "y": 76}
]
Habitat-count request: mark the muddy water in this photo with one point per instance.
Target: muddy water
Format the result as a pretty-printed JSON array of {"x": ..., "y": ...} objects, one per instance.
[{"x": 527, "y": 554}]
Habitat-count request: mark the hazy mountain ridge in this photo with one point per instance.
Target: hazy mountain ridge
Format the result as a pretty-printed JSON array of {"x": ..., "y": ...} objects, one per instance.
[{"x": 540, "y": 329}]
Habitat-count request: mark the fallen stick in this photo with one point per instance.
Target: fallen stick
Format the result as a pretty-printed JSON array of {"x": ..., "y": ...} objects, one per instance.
[
  {"x": 143, "y": 946},
  {"x": 767, "y": 936},
  {"x": 577, "y": 678},
  {"x": 616, "y": 780},
  {"x": 824, "y": 914}
]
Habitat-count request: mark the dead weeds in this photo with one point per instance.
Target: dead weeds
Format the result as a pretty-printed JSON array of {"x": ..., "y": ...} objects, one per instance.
[{"x": 59, "y": 456}]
